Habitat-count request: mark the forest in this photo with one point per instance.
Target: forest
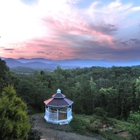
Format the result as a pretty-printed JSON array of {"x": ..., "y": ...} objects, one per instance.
[{"x": 115, "y": 89}]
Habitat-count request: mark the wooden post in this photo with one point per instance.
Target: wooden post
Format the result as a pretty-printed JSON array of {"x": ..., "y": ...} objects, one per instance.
[
  {"x": 48, "y": 112},
  {"x": 57, "y": 114}
]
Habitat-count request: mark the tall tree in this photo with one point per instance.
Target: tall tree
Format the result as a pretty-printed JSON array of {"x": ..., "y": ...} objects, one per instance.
[
  {"x": 3, "y": 68},
  {"x": 92, "y": 91},
  {"x": 78, "y": 99},
  {"x": 3, "y": 74},
  {"x": 137, "y": 92},
  {"x": 108, "y": 100},
  {"x": 14, "y": 122}
]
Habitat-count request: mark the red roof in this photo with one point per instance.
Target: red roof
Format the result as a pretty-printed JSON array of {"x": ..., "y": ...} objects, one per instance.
[{"x": 58, "y": 100}]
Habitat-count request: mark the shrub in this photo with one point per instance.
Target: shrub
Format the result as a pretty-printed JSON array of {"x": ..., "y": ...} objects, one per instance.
[{"x": 92, "y": 129}]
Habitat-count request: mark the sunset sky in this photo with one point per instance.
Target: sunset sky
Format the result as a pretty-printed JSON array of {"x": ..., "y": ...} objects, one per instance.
[{"x": 69, "y": 29}]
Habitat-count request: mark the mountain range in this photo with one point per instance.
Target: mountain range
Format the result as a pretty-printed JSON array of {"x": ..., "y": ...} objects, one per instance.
[{"x": 41, "y": 63}]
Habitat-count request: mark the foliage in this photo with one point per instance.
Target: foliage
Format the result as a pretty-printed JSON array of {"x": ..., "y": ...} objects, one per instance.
[
  {"x": 110, "y": 136},
  {"x": 92, "y": 129},
  {"x": 6, "y": 76},
  {"x": 78, "y": 124},
  {"x": 14, "y": 120},
  {"x": 3, "y": 74},
  {"x": 82, "y": 125},
  {"x": 114, "y": 89},
  {"x": 3, "y": 68},
  {"x": 134, "y": 129},
  {"x": 32, "y": 89},
  {"x": 22, "y": 70},
  {"x": 102, "y": 115}
]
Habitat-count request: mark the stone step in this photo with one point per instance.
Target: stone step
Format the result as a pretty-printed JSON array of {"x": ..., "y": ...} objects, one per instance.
[{"x": 63, "y": 123}]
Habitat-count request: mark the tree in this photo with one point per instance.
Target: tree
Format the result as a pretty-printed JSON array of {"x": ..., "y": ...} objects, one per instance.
[
  {"x": 134, "y": 129},
  {"x": 108, "y": 100},
  {"x": 3, "y": 68},
  {"x": 3, "y": 74},
  {"x": 101, "y": 114},
  {"x": 92, "y": 90},
  {"x": 137, "y": 92},
  {"x": 14, "y": 122},
  {"x": 78, "y": 99}
]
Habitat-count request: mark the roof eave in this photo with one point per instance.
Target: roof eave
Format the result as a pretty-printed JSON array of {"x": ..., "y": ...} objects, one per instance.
[{"x": 60, "y": 106}]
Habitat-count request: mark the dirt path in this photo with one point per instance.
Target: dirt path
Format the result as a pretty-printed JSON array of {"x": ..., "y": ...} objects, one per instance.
[{"x": 57, "y": 132}]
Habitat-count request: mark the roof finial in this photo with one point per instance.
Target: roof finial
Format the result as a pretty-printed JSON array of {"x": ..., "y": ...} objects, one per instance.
[{"x": 58, "y": 91}]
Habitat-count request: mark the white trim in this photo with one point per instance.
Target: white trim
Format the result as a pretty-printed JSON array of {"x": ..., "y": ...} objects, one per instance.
[
  {"x": 60, "y": 106},
  {"x": 52, "y": 117}
]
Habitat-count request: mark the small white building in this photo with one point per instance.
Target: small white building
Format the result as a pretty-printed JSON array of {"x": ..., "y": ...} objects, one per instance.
[{"x": 58, "y": 109}]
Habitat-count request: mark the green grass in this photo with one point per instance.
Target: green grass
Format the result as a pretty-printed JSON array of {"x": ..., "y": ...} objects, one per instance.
[{"x": 82, "y": 124}]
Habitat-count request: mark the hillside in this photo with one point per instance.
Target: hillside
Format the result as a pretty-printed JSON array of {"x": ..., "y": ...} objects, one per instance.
[
  {"x": 58, "y": 132},
  {"x": 66, "y": 132}
]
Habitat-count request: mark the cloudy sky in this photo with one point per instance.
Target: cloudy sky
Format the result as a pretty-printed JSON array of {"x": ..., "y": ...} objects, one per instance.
[{"x": 67, "y": 29}]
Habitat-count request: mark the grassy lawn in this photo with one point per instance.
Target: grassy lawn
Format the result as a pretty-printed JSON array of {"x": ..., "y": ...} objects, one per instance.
[{"x": 83, "y": 124}]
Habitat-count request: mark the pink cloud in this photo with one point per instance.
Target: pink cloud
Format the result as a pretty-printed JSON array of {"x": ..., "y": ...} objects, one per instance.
[
  {"x": 72, "y": 26},
  {"x": 46, "y": 48},
  {"x": 62, "y": 31}
]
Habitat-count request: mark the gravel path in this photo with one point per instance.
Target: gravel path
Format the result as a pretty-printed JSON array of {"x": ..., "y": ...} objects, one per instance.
[{"x": 52, "y": 131}]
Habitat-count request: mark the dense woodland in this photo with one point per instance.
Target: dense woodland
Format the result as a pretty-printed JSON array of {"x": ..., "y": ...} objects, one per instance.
[{"x": 116, "y": 89}]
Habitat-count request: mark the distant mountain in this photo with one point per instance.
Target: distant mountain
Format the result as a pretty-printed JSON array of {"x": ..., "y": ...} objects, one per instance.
[
  {"x": 23, "y": 60},
  {"x": 10, "y": 62},
  {"x": 41, "y": 63}
]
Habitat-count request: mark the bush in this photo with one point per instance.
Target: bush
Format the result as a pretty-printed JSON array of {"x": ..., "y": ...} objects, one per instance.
[
  {"x": 78, "y": 124},
  {"x": 92, "y": 129}
]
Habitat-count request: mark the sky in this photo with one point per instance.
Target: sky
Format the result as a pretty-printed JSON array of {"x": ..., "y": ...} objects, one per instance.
[{"x": 70, "y": 29}]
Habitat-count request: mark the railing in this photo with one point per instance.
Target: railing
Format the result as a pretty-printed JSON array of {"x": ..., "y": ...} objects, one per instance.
[
  {"x": 51, "y": 115},
  {"x": 54, "y": 115}
]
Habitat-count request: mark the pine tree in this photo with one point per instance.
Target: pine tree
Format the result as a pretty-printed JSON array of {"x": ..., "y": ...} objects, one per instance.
[{"x": 14, "y": 122}]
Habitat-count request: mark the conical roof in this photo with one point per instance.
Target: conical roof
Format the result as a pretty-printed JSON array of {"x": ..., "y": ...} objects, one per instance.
[
  {"x": 60, "y": 95},
  {"x": 58, "y": 100}
]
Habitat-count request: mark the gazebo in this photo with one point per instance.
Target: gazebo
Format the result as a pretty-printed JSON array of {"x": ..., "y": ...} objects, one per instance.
[{"x": 58, "y": 109}]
